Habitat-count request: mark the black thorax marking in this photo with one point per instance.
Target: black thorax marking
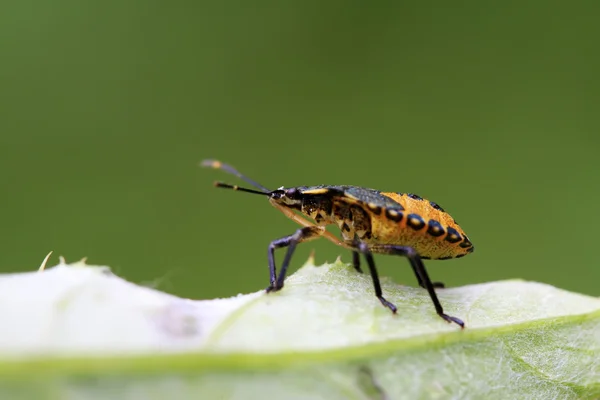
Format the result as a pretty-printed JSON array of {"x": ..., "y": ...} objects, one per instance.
[
  {"x": 318, "y": 208},
  {"x": 353, "y": 221}
]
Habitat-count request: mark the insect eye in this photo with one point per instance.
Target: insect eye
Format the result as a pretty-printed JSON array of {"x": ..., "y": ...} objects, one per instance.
[{"x": 291, "y": 192}]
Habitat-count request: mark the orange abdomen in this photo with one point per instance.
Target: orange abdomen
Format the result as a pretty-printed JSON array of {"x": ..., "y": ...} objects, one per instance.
[{"x": 423, "y": 225}]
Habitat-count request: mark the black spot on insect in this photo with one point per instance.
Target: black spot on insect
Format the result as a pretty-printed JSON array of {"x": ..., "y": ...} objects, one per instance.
[
  {"x": 345, "y": 227},
  {"x": 460, "y": 255},
  {"x": 470, "y": 249},
  {"x": 435, "y": 228},
  {"x": 453, "y": 236},
  {"x": 374, "y": 208},
  {"x": 394, "y": 214},
  {"x": 446, "y": 258},
  {"x": 425, "y": 258},
  {"x": 466, "y": 244},
  {"x": 436, "y": 206},
  {"x": 414, "y": 196},
  {"x": 415, "y": 221}
]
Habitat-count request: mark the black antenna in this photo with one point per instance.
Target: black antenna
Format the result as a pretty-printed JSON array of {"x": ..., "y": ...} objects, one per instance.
[
  {"x": 228, "y": 168},
  {"x": 241, "y": 189}
]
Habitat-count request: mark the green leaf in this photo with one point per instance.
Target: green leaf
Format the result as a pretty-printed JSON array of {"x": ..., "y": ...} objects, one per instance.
[{"x": 79, "y": 331}]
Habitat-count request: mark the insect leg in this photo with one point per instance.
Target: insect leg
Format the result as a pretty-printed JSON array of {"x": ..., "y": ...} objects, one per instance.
[
  {"x": 364, "y": 248},
  {"x": 422, "y": 276},
  {"x": 356, "y": 261},
  {"x": 299, "y": 220},
  {"x": 301, "y": 235},
  {"x": 437, "y": 285}
]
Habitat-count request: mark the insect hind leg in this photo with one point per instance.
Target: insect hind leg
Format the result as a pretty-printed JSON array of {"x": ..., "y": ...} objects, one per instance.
[
  {"x": 437, "y": 285},
  {"x": 301, "y": 235},
  {"x": 419, "y": 268}
]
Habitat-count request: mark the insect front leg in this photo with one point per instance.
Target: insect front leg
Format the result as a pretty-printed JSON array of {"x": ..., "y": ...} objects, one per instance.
[
  {"x": 301, "y": 235},
  {"x": 419, "y": 268}
]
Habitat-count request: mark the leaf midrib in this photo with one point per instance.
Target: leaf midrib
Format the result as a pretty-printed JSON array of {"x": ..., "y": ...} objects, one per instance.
[{"x": 240, "y": 361}]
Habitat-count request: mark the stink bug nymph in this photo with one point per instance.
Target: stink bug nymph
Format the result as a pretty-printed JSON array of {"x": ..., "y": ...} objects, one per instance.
[{"x": 370, "y": 221}]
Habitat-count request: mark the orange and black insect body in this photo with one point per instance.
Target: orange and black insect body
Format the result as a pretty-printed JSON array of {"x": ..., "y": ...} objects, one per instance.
[{"x": 370, "y": 221}]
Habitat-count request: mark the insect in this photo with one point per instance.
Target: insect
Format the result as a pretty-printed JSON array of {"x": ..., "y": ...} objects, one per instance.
[{"x": 371, "y": 221}]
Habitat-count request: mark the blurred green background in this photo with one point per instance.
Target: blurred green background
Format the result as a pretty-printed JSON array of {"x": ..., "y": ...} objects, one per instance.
[{"x": 490, "y": 109}]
